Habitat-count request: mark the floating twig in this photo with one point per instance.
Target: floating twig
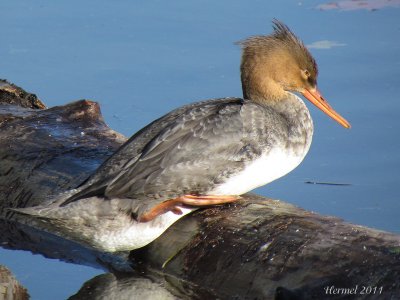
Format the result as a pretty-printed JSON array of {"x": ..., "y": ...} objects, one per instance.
[{"x": 328, "y": 183}]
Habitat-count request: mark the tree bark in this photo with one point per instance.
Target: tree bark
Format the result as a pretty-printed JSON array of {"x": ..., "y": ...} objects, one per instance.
[{"x": 258, "y": 248}]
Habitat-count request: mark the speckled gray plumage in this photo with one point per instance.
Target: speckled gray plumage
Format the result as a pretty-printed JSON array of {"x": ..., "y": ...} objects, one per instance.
[{"x": 194, "y": 148}]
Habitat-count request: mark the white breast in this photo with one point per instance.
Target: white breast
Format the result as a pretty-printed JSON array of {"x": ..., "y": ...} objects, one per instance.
[{"x": 265, "y": 169}]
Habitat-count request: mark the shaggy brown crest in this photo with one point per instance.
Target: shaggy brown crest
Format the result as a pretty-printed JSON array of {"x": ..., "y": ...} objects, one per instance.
[
  {"x": 279, "y": 57},
  {"x": 283, "y": 33}
]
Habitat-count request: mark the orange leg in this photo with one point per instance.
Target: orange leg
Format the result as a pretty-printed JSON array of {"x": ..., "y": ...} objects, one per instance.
[
  {"x": 207, "y": 200},
  {"x": 189, "y": 200}
]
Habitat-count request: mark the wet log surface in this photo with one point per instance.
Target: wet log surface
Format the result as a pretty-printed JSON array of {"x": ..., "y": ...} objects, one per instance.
[{"x": 258, "y": 248}]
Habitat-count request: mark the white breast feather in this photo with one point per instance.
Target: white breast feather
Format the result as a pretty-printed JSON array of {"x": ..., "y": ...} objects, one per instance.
[{"x": 265, "y": 169}]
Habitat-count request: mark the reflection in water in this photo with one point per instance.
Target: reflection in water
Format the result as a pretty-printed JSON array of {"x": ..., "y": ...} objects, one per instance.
[
  {"x": 139, "y": 286},
  {"x": 108, "y": 286}
]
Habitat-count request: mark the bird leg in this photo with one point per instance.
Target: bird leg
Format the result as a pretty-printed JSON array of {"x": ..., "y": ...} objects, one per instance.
[
  {"x": 206, "y": 200},
  {"x": 189, "y": 200}
]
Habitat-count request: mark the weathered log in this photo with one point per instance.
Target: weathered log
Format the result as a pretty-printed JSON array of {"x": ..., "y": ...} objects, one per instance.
[
  {"x": 257, "y": 248},
  {"x": 12, "y": 94}
]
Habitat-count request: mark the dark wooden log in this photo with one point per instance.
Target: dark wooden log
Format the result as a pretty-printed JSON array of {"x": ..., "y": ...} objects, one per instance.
[
  {"x": 43, "y": 152},
  {"x": 258, "y": 248},
  {"x": 12, "y": 94}
]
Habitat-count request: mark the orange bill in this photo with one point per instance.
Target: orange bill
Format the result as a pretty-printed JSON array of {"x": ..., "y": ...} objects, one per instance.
[{"x": 315, "y": 97}]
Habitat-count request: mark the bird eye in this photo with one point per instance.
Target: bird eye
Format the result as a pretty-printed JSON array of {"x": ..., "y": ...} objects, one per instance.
[{"x": 307, "y": 73}]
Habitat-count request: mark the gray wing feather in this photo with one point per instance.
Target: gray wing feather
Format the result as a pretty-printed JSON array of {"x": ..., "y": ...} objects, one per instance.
[
  {"x": 187, "y": 156},
  {"x": 127, "y": 155}
]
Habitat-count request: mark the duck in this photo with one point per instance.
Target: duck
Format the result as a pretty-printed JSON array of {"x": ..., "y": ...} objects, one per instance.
[{"x": 199, "y": 155}]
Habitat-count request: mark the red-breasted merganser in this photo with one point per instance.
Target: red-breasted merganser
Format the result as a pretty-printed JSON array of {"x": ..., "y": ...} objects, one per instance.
[{"x": 202, "y": 154}]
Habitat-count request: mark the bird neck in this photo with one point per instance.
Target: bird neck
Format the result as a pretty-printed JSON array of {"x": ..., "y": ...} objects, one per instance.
[
  {"x": 291, "y": 107},
  {"x": 264, "y": 92},
  {"x": 268, "y": 92},
  {"x": 293, "y": 110}
]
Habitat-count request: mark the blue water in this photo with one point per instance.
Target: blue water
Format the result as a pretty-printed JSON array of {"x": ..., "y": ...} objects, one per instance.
[{"x": 140, "y": 59}]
